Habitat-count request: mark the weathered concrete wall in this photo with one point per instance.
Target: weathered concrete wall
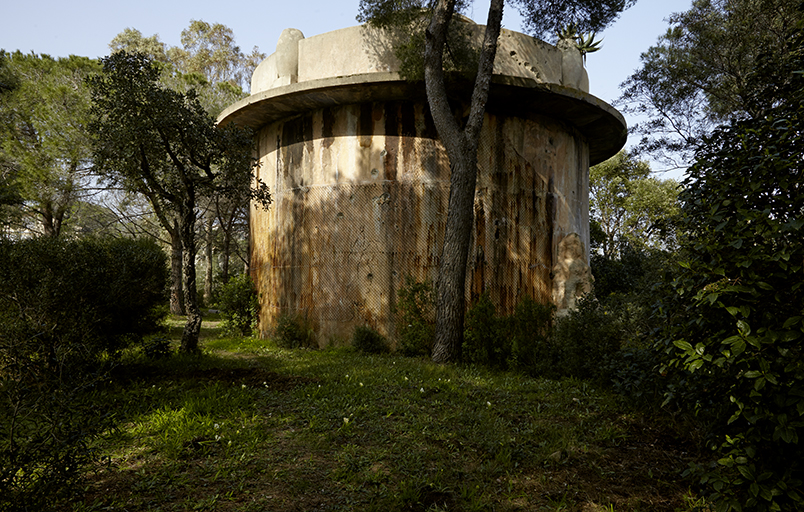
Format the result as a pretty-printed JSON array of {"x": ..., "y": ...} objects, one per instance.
[
  {"x": 361, "y": 49},
  {"x": 361, "y": 183},
  {"x": 360, "y": 202}
]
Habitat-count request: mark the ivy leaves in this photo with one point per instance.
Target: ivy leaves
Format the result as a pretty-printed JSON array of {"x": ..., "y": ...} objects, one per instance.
[{"x": 743, "y": 286}]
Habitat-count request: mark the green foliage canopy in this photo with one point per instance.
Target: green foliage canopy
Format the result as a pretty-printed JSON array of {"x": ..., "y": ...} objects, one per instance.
[
  {"x": 543, "y": 18},
  {"x": 630, "y": 206},
  {"x": 158, "y": 141},
  {"x": 208, "y": 60},
  {"x": 697, "y": 75},
  {"x": 45, "y": 152},
  {"x": 163, "y": 144},
  {"x": 742, "y": 295}
]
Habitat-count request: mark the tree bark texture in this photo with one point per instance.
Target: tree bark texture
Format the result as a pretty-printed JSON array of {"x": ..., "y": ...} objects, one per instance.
[
  {"x": 192, "y": 329},
  {"x": 461, "y": 147},
  {"x": 176, "y": 277},
  {"x": 52, "y": 217},
  {"x": 208, "y": 258}
]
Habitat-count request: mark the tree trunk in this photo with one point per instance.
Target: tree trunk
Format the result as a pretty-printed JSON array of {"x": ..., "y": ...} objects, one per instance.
[
  {"x": 208, "y": 278},
  {"x": 227, "y": 216},
  {"x": 176, "y": 277},
  {"x": 192, "y": 329},
  {"x": 461, "y": 147},
  {"x": 450, "y": 291},
  {"x": 227, "y": 249},
  {"x": 48, "y": 228},
  {"x": 51, "y": 223}
]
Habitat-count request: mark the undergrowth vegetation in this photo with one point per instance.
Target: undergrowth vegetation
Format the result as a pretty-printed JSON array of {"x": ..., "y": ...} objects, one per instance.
[
  {"x": 238, "y": 303},
  {"x": 253, "y": 426},
  {"x": 294, "y": 331},
  {"x": 604, "y": 340},
  {"x": 67, "y": 311}
]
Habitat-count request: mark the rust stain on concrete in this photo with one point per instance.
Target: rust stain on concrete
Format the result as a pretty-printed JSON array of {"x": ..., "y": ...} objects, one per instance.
[{"x": 361, "y": 182}]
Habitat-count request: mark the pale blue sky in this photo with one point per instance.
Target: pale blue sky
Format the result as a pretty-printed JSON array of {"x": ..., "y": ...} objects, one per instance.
[{"x": 85, "y": 27}]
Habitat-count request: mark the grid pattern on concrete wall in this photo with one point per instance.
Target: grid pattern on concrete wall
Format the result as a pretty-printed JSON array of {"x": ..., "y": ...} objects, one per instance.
[{"x": 344, "y": 250}]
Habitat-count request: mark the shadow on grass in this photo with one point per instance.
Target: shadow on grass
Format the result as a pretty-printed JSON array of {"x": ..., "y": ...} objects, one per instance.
[{"x": 248, "y": 426}]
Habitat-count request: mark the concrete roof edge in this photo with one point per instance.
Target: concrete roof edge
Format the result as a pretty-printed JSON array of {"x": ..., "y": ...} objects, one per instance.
[
  {"x": 603, "y": 126},
  {"x": 310, "y": 86}
]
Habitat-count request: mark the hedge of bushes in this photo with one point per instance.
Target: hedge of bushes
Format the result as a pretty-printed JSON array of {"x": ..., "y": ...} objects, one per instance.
[{"x": 67, "y": 308}]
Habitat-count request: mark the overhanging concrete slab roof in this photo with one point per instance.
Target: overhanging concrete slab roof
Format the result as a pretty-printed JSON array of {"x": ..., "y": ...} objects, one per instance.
[{"x": 601, "y": 124}]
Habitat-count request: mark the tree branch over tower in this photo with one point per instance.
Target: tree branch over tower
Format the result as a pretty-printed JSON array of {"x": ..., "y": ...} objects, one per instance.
[{"x": 461, "y": 137}]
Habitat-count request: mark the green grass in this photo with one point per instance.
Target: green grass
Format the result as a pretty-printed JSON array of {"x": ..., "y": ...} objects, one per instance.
[{"x": 248, "y": 426}]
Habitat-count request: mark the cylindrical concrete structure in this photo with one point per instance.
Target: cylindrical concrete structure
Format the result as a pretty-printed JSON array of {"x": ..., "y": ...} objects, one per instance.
[{"x": 360, "y": 181}]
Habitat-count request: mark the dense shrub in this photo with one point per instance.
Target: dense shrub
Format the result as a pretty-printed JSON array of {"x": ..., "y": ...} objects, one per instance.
[
  {"x": 79, "y": 299},
  {"x": 368, "y": 340},
  {"x": 66, "y": 309},
  {"x": 586, "y": 339},
  {"x": 531, "y": 334},
  {"x": 238, "y": 303},
  {"x": 521, "y": 341},
  {"x": 618, "y": 275},
  {"x": 156, "y": 347},
  {"x": 45, "y": 433},
  {"x": 415, "y": 318},
  {"x": 294, "y": 332},
  {"x": 485, "y": 340},
  {"x": 740, "y": 299}
]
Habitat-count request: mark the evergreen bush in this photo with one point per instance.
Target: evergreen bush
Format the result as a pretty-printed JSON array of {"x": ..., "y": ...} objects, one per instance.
[
  {"x": 368, "y": 340},
  {"x": 586, "y": 338},
  {"x": 66, "y": 310},
  {"x": 238, "y": 304},
  {"x": 415, "y": 318},
  {"x": 485, "y": 341},
  {"x": 521, "y": 341},
  {"x": 740, "y": 297},
  {"x": 532, "y": 348},
  {"x": 293, "y": 332}
]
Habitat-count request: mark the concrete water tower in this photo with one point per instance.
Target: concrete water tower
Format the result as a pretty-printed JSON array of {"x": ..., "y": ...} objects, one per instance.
[{"x": 360, "y": 181}]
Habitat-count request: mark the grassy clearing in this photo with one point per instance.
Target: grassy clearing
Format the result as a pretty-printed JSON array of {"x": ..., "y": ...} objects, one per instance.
[{"x": 248, "y": 426}]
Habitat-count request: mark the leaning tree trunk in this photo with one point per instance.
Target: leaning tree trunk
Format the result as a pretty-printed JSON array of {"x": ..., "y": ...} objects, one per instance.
[
  {"x": 461, "y": 147},
  {"x": 192, "y": 329},
  {"x": 208, "y": 257},
  {"x": 52, "y": 219},
  {"x": 176, "y": 277},
  {"x": 451, "y": 286},
  {"x": 227, "y": 243}
]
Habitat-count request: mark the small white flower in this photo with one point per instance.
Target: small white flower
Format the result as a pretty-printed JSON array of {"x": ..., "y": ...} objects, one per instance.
[
  {"x": 217, "y": 426},
  {"x": 361, "y": 384},
  {"x": 346, "y": 421},
  {"x": 422, "y": 390},
  {"x": 243, "y": 386},
  {"x": 488, "y": 404}
]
